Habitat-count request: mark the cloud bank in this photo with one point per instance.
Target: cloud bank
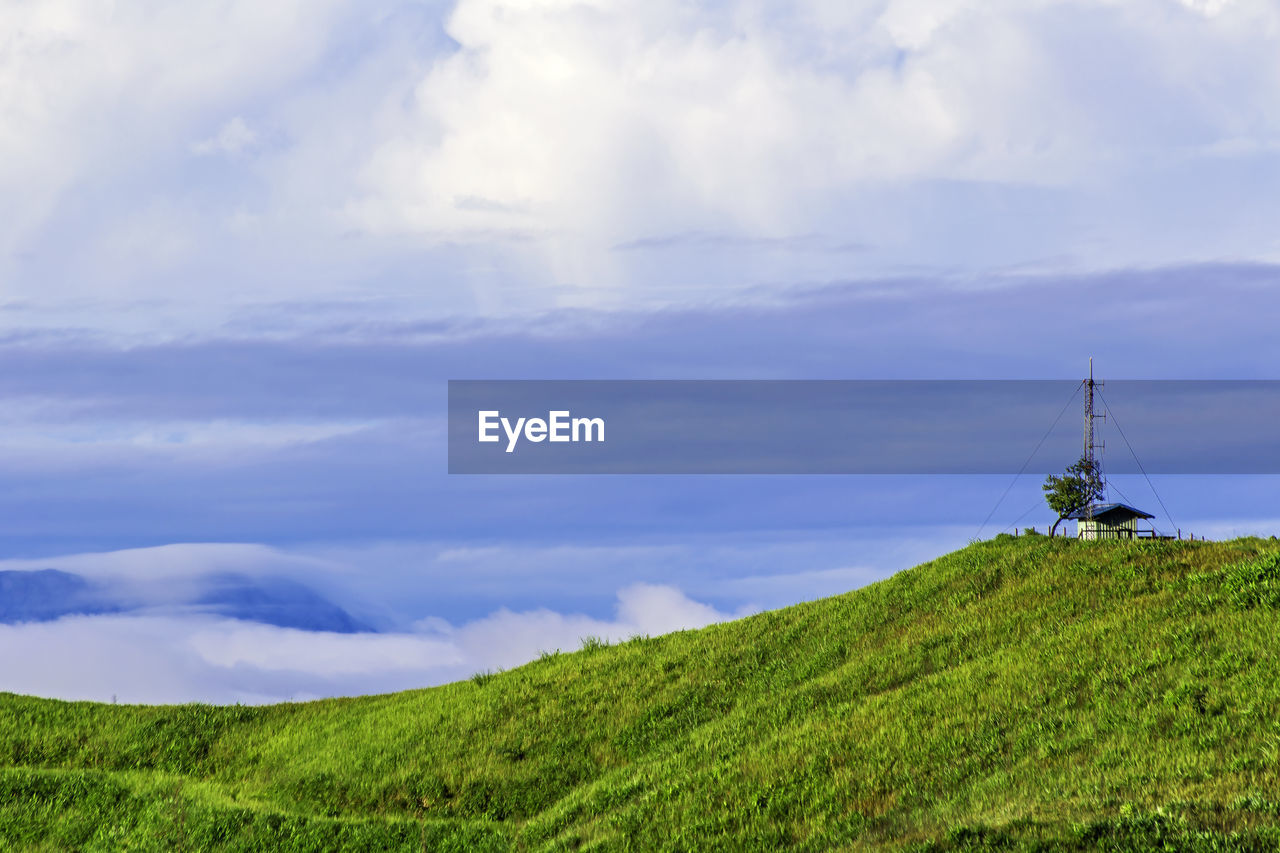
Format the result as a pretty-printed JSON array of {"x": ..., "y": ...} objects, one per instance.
[{"x": 164, "y": 658}]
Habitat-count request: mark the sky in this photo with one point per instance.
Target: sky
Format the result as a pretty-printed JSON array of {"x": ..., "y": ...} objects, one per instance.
[{"x": 244, "y": 246}]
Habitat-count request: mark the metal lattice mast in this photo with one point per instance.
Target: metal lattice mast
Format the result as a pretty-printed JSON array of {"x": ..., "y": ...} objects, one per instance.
[{"x": 1091, "y": 445}]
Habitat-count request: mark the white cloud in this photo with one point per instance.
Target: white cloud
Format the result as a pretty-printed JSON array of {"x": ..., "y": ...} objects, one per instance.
[
  {"x": 228, "y": 645},
  {"x": 1208, "y": 8},
  {"x": 496, "y": 173},
  {"x": 89, "y": 90},
  {"x": 662, "y": 609},
  {"x": 935, "y": 135},
  {"x": 599, "y": 121},
  {"x": 186, "y": 559},
  {"x": 163, "y": 658},
  {"x": 506, "y": 638},
  {"x": 234, "y": 136}
]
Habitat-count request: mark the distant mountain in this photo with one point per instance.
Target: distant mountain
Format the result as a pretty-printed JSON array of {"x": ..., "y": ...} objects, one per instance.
[
  {"x": 48, "y": 594},
  {"x": 275, "y": 601}
]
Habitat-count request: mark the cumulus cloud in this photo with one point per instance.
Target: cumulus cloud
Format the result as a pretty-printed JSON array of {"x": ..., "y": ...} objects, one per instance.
[
  {"x": 159, "y": 658},
  {"x": 602, "y": 121},
  {"x": 486, "y": 156}
]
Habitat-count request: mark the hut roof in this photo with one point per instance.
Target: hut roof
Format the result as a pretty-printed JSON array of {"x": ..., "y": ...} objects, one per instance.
[{"x": 1109, "y": 512}]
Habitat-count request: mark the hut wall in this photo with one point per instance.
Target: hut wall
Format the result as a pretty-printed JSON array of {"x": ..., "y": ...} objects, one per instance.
[{"x": 1095, "y": 529}]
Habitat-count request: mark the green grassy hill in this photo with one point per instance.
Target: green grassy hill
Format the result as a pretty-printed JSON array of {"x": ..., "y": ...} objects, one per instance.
[{"x": 1020, "y": 693}]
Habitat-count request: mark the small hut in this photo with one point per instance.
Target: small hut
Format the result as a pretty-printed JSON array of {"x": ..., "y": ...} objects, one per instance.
[{"x": 1110, "y": 521}]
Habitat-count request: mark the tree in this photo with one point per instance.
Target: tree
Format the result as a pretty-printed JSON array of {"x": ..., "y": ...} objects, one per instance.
[{"x": 1080, "y": 485}]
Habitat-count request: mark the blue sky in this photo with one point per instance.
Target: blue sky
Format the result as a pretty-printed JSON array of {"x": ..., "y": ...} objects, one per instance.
[{"x": 242, "y": 249}]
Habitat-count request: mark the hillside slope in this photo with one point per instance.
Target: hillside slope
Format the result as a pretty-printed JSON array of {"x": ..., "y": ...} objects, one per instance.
[{"x": 1020, "y": 693}]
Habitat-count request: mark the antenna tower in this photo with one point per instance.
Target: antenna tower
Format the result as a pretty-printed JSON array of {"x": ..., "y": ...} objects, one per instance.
[{"x": 1092, "y": 447}]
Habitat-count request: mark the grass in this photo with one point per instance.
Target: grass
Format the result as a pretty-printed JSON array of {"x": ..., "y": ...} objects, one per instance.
[{"x": 1020, "y": 694}]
